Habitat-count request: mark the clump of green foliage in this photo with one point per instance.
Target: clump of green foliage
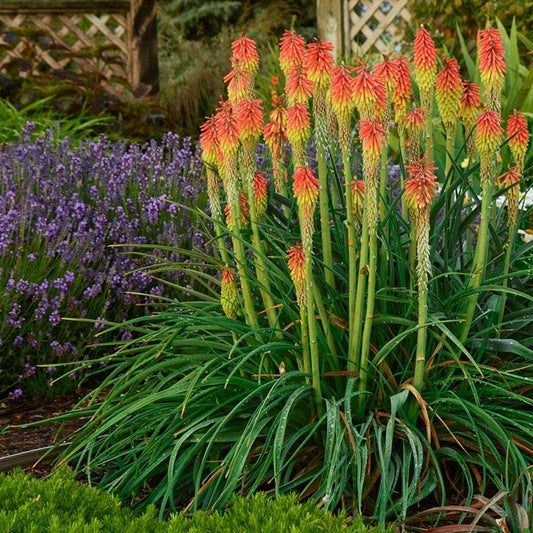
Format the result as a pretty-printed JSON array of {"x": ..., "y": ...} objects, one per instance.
[{"x": 60, "y": 503}]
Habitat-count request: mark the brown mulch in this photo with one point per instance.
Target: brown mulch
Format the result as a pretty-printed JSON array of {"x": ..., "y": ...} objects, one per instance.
[{"x": 15, "y": 439}]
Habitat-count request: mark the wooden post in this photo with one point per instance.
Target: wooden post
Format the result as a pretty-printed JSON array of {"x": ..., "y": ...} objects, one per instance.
[
  {"x": 330, "y": 24},
  {"x": 143, "y": 48}
]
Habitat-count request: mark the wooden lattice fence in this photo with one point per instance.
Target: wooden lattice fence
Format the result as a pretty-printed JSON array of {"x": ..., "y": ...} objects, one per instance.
[
  {"x": 361, "y": 26},
  {"x": 114, "y": 39}
]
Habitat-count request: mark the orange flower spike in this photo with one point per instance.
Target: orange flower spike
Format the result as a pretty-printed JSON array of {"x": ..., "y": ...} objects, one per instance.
[
  {"x": 229, "y": 297},
  {"x": 448, "y": 92},
  {"x": 369, "y": 94},
  {"x": 260, "y": 193},
  {"x": 402, "y": 91},
  {"x": 387, "y": 71},
  {"x": 227, "y": 129},
  {"x": 372, "y": 133},
  {"x": 491, "y": 65},
  {"x": 209, "y": 141},
  {"x": 414, "y": 123},
  {"x": 511, "y": 180},
  {"x": 292, "y": 51},
  {"x": 470, "y": 102},
  {"x": 275, "y": 136},
  {"x": 296, "y": 263},
  {"x": 249, "y": 116},
  {"x": 342, "y": 102},
  {"x": 245, "y": 54},
  {"x": 489, "y": 133},
  {"x": 319, "y": 62},
  {"x": 239, "y": 82},
  {"x": 421, "y": 184},
  {"x": 305, "y": 188},
  {"x": 425, "y": 61},
  {"x": 518, "y": 135},
  {"x": 299, "y": 87},
  {"x": 298, "y": 129}
]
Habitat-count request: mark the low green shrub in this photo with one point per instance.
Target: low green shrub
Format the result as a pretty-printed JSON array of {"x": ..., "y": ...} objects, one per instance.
[{"x": 62, "y": 504}]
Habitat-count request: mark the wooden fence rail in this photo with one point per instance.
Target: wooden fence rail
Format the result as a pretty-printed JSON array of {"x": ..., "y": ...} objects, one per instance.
[{"x": 117, "y": 38}]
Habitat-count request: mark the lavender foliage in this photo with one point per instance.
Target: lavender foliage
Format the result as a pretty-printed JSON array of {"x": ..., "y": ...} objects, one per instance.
[{"x": 61, "y": 207}]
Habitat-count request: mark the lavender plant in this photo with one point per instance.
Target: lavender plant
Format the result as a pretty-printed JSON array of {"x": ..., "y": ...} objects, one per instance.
[{"x": 62, "y": 208}]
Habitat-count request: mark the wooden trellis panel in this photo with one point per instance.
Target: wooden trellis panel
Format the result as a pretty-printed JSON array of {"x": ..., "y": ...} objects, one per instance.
[
  {"x": 116, "y": 38},
  {"x": 374, "y": 24}
]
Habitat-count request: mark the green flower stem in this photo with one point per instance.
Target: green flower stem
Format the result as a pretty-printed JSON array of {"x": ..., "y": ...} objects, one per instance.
[
  {"x": 429, "y": 132},
  {"x": 257, "y": 244},
  {"x": 305, "y": 341},
  {"x": 324, "y": 319},
  {"x": 403, "y": 158},
  {"x": 369, "y": 315},
  {"x": 356, "y": 326},
  {"x": 325, "y": 229},
  {"x": 422, "y": 240},
  {"x": 384, "y": 253},
  {"x": 352, "y": 265},
  {"x": 480, "y": 254},
  {"x": 313, "y": 344}
]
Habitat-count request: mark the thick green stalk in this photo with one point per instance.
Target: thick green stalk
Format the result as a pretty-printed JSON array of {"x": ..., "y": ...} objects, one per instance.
[
  {"x": 384, "y": 253},
  {"x": 480, "y": 254},
  {"x": 313, "y": 344},
  {"x": 352, "y": 265},
  {"x": 403, "y": 157},
  {"x": 260, "y": 267},
  {"x": 370, "y": 298},
  {"x": 325, "y": 228},
  {"x": 305, "y": 340},
  {"x": 357, "y": 324},
  {"x": 324, "y": 319}
]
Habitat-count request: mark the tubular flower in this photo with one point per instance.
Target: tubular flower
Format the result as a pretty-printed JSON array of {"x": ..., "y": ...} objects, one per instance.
[
  {"x": 319, "y": 62},
  {"x": 518, "y": 137},
  {"x": 420, "y": 189},
  {"x": 292, "y": 51},
  {"x": 260, "y": 193},
  {"x": 372, "y": 133},
  {"x": 369, "y": 94},
  {"x": 414, "y": 123},
  {"x": 209, "y": 141},
  {"x": 468, "y": 111},
  {"x": 245, "y": 54},
  {"x": 296, "y": 263},
  {"x": 299, "y": 87},
  {"x": 425, "y": 61},
  {"x": 227, "y": 129},
  {"x": 210, "y": 150},
  {"x": 239, "y": 82},
  {"x": 341, "y": 94},
  {"x": 275, "y": 136},
  {"x": 402, "y": 92},
  {"x": 489, "y": 133},
  {"x": 491, "y": 65},
  {"x": 387, "y": 71},
  {"x": 249, "y": 116},
  {"x": 511, "y": 179},
  {"x": 449, "y": 88},
  {"x": 229, "y": 295},
  {"x": 421, "y": 184},
  {"x": 298, "y": 129},
  {"x": 305, "y": 188}
]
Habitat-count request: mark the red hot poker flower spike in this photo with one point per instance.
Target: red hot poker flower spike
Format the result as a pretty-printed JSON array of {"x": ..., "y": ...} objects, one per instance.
[{"x": 292, "y": 51}]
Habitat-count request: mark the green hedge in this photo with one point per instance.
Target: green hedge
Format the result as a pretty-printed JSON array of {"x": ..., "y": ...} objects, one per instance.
[{"x": 61, "y": 504}]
